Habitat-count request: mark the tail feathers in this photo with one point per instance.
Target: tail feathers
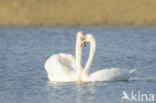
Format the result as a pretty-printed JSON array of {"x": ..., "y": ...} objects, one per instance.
[{"x": 132, "y": 71}]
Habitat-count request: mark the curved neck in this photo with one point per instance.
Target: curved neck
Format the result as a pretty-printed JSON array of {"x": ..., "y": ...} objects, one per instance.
[
  {"x": 78, "y": 54},
  {"x": 92, "y": 42}
]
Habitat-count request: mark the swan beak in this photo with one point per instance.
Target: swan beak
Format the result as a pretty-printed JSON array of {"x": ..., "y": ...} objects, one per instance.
[{"x": 83, "y": 43}]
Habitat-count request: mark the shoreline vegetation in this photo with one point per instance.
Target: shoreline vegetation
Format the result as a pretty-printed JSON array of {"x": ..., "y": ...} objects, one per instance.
[{"x": 77, "y": 12}]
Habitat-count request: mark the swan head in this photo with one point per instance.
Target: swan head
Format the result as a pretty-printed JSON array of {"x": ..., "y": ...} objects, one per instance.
[
  {"x": 82, "y": 38},
  {"x": 85, "y": 39},
  {"x": 88, "y": 38}
]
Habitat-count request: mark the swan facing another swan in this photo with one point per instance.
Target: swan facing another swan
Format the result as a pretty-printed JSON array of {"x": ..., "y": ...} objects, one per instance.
[
  {"x": 65, "y": 68},
  {"x": 114, "y": 74}
]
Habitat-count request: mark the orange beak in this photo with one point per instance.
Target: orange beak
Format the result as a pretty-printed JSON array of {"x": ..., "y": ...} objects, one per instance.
[{"x": 83, "y": 43}]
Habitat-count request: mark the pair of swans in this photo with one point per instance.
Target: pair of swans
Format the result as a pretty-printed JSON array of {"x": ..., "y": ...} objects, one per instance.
[{"x": 64, "y": 68}]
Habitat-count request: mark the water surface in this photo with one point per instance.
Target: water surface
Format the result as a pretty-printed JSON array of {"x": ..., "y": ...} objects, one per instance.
[{"x": 24, "y": 50}]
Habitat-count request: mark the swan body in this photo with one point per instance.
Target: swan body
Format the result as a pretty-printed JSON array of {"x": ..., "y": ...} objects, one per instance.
[
  {"x": 61, "y": 67},
  {"x": 114, "y": 74},
  {"x": 64, "y": 67}
]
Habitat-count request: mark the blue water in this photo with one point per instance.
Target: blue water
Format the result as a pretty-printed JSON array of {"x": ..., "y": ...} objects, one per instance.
[{"x": 24, "y": 50}]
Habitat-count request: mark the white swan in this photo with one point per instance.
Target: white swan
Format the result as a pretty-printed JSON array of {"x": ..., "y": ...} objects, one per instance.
[
  {"x": 114, "y": 74},
  {"x": 63, "y": 67}
]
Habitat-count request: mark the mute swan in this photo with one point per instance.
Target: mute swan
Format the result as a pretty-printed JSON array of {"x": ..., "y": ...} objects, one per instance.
[
  {"x": 63, "y": 67},
  {"x": 114, "y": 74}
]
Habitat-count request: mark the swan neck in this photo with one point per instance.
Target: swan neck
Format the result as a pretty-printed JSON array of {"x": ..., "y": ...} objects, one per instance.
[
  {"x": 92, "y": 42},
  {"x": 78, "y": 55}
]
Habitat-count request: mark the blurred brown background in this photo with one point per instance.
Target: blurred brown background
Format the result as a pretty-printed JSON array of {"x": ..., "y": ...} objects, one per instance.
[{"x": 77, "y": 12}]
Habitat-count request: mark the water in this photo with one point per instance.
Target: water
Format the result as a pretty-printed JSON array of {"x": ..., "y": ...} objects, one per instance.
[{"x": 24, "y": 50}]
